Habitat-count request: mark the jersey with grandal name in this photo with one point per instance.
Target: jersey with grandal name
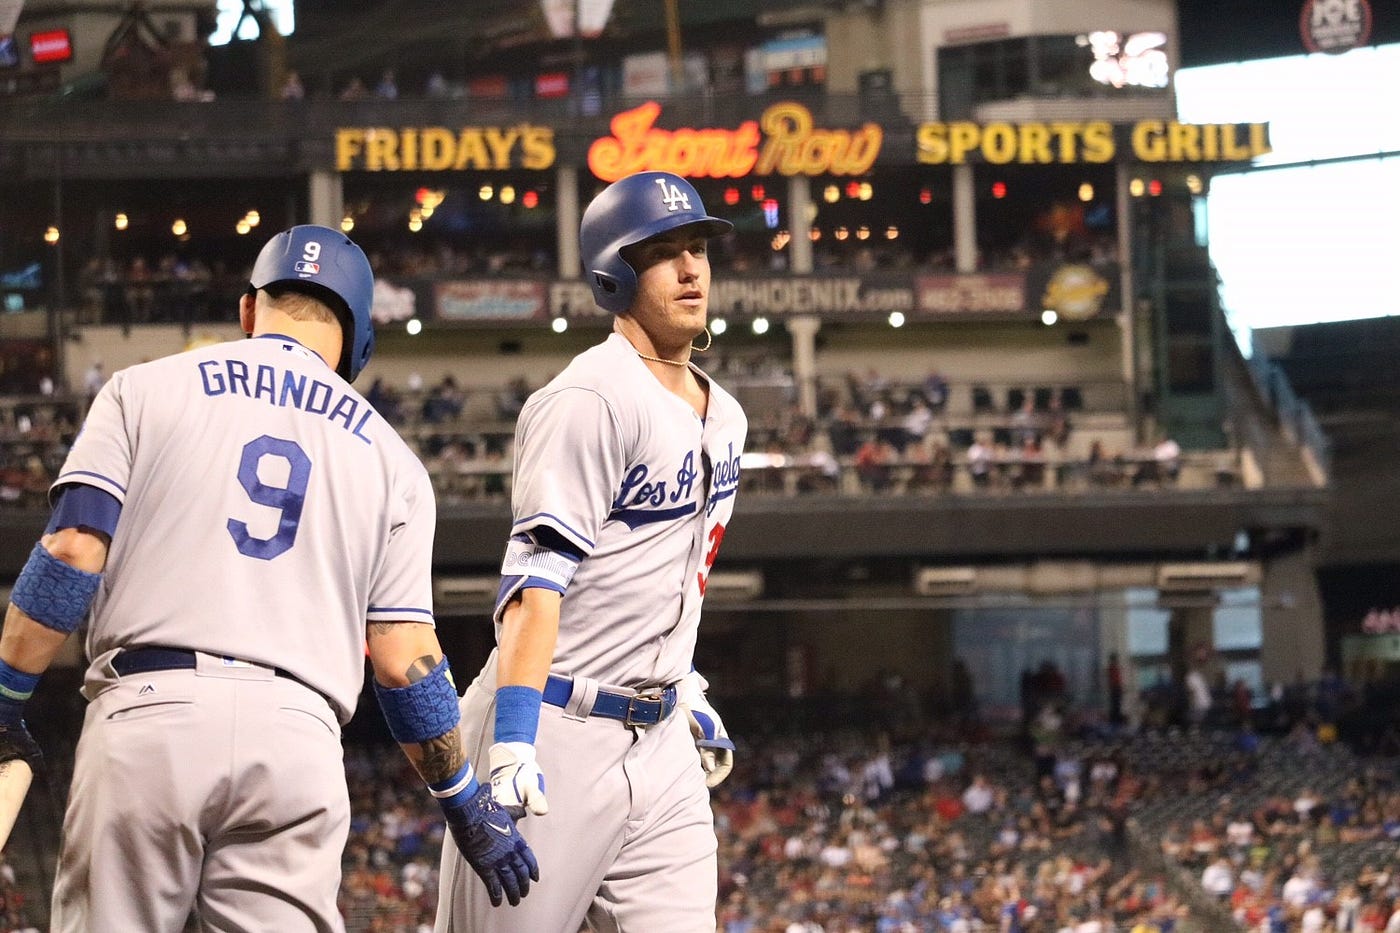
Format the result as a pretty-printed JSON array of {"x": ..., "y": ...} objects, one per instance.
[
  {"x": 632, "y": 477},
  {"x": 267, "y": 512}
]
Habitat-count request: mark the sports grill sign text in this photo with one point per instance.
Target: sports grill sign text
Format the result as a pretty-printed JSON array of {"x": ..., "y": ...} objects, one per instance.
[
  {"x": 1092, "y": 141},
  {"x": 439, "y": 149}
]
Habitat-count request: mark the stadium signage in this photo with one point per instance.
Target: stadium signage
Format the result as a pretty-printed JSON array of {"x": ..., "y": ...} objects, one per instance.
[
  {"x": 1003, "y": 293},
  {"x": 439, "y": 149},
  {"x": 1094, "y": 141},
  {"x": 1335, "y": 26},
  {"x": 834, "y": 296},
  {"x": 783, "y": 141}
]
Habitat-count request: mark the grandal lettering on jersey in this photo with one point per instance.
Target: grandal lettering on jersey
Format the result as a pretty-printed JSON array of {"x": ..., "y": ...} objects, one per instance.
[
  {"x": 643, "y": 500},
  {"x": 286, "y": 389},
  {"x": 726, "y": 479}
]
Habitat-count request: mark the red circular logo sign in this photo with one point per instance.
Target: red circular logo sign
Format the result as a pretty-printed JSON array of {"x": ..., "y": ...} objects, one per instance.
[{"x": 1335, "y": 26}]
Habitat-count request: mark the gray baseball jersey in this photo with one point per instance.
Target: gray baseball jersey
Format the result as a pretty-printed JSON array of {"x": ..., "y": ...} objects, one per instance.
[
  {"x": 629, "y": 474},
  {"x": 637, "y": 482},
  {"x": 267, "y": 513}
]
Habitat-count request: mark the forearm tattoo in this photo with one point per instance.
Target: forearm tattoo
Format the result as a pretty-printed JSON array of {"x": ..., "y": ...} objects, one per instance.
[{"x": 442, "y": 757}]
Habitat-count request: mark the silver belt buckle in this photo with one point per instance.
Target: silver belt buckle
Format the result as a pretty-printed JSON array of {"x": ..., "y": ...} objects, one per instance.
[{"x": 632, "y": 709}]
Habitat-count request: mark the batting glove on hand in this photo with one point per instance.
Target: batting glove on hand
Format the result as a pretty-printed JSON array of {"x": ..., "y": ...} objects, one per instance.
[
  {"x": 516, "y": 780},
  {"x": 488, "y": 839},
  {"x": 15, "y": 740},
  {"x": 713, "y": 743}
]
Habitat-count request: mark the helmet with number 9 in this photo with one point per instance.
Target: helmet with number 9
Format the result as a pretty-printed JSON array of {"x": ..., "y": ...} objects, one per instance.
[
  {"x": 326, "y": 264},
  {"x": 628, "y": 211}
]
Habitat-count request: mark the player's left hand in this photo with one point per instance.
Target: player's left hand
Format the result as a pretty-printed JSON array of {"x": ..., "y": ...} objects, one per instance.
[
  {"x": 711, "y": 740},
  {"x": 516, "y": 780}
]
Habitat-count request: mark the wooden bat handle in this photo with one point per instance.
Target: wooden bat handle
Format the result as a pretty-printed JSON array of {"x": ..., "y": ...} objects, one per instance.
[{"x": 15, "y": 776}]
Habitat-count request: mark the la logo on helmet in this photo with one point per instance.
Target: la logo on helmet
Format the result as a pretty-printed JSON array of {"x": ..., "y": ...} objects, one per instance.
[{"x": 673, "y": 197}]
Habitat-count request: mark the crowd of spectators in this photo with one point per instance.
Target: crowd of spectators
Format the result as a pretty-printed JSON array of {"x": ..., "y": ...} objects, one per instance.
[
  {"x": 195, "y": 284},
  {"x": 935, "y": 821},
  {"x": 871, "y": 435}
]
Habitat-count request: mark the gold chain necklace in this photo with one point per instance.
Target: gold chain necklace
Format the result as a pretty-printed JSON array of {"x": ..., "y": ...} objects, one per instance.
[
  {"x": 709, "y": 340},
  {"x": 657, "y": 359}
]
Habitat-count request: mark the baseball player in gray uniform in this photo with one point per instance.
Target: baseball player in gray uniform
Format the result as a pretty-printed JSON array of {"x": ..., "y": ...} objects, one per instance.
[
  {"x": 626, "y": 469},
  {"x": 239, "y": 522}
]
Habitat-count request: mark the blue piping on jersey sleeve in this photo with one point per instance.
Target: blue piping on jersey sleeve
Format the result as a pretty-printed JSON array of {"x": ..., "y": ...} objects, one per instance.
[
  {"x": 511, "y": 586},
  {"x": 393, "y": 613},
  {"x": 82, "y": 506},
  {"x": 68, "y": 478},
  {"x": 531, "y": 523},
  {"x": 551, "y": 538}
]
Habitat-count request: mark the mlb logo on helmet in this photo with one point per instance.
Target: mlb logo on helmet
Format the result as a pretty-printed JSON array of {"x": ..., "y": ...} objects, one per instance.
[{"x": 304, "y": 267}]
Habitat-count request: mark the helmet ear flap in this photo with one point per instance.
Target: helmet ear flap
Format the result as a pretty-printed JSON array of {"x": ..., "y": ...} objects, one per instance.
[{"x": 606, "y": 282}]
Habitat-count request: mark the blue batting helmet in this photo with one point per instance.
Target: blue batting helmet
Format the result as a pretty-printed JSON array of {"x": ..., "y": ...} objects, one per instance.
[
  {"x": 328, "y": 265},
  {"x": 628, "y": 211}
]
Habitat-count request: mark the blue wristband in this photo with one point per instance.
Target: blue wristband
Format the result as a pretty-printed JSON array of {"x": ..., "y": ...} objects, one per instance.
[
  {"x": 15, "y": 685},
  {"x": 517, "y": 713},
  {"x": 455, "y": 791}
]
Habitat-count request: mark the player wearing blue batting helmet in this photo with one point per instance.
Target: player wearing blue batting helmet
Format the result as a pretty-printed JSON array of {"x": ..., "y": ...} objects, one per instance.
[
  {"x": 328, "y": 265},
  {"x": 628, "y": 211}
]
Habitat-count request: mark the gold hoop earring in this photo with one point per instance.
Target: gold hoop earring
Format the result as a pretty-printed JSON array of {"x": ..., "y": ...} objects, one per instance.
[{"x": 709, "y": 340}]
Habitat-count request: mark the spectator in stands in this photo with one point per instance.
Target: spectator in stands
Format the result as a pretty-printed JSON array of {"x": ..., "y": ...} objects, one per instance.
[
  {"x": 94, "y": 379},
  {"x": 979, "y": 463},
  {"x": 1102, "y": 469},
  {"x": 292, "y": 88},
  {"x": 1198, "y": 692},
  {"x": 444, "y": 402},
  {"x": 512, "y": 398},
  {"x": 140, "y": 293},
  {"x": 916, "y": 424},
  {"x": 1025, "y": 422},
  {"x": 978, "y": 796},
  {"x": 388, "y": 86},
  {"x": 935, "y": 390},
  {"x": 385, "y": 400},
  {"x": 354, "y": 90},
  {"x": 874, "y": 464},
  {"x": 1218, "y": 877},
  {"x": 844, "y": 432},
  {"x": 436, "y": 87},
  {"x": 1113, "y": 675}
]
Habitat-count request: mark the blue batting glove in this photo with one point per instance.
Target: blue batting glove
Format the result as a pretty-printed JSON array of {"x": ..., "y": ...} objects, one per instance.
[{"x": 488, "y": 839}]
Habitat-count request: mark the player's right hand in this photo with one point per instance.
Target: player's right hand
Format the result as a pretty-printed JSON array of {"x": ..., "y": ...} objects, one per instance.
[
  {"x": 516, "y": 780},
  {"x": 15, "y": 740},
  {"x": 488, "y": 839}
]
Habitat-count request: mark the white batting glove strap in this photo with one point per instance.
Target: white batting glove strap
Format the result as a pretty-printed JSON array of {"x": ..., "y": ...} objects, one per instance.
[
  {"x": 711, "y": 740},
  {"x": 516, "y": 780}
]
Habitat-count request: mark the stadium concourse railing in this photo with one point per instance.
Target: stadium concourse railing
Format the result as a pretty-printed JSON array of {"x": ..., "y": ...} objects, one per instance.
[
  {"x": 245, "y": 119},
  {"x": 1295, "y": 415}
]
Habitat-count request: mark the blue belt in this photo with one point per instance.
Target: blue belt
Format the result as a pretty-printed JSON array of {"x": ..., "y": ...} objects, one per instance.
[{"x": 632, "y": 709}]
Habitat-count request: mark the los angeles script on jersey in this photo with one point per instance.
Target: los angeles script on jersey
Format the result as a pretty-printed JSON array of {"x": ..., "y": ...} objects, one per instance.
[
  {"x": 286, "y": 389},
  {"x": 644, "y": 499}
]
